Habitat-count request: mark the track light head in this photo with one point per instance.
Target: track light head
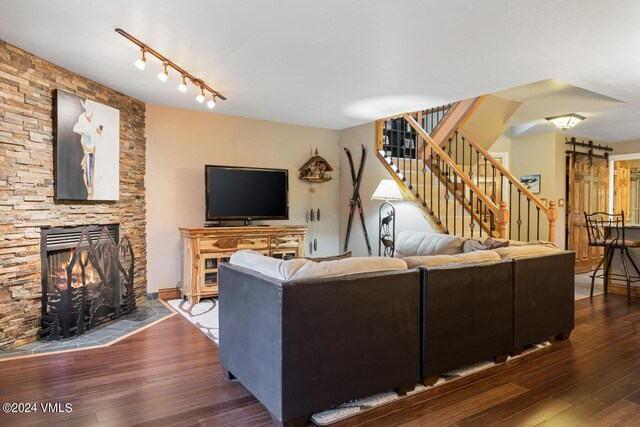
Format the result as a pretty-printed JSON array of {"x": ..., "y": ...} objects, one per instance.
[
  {"x": 212, "y": 102},
  {"x": 141, "y": 62},
  {"x": 182, "y": 87},
  {"x": 200, "y": 97},
  {"x": 164, "y": 75}
]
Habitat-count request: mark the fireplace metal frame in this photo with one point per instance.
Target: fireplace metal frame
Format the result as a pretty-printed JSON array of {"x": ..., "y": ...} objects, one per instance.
[{"x": 58, "y": 238}]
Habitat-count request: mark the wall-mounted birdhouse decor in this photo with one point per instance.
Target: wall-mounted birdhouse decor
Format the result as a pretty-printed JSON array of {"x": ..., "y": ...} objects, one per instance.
[{"x": 316, "y": 169}]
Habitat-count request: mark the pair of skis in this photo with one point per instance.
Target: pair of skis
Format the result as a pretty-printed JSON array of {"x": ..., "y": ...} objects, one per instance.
[{"x": 355, "y": 201}]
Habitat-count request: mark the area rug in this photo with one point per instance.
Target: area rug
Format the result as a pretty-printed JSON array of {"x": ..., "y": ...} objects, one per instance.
[{"x": 204, "y": 316}]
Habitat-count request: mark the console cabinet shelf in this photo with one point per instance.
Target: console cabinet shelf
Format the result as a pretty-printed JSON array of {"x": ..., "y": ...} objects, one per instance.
[{"x": 203, "y": 249}]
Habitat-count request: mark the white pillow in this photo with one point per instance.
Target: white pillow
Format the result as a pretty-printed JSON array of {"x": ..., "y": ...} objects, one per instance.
[
  {"x": 434, "y": 260},
  {"x": 412, "y": 243}
]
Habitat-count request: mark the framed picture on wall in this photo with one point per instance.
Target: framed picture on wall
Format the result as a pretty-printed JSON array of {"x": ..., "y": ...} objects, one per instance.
[
  {"x": 87, "y": 150},
  {"x": 531, "y": 182}
]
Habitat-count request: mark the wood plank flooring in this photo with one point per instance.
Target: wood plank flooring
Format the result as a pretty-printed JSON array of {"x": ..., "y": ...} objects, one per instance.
[{"x": 169, "y": 374}]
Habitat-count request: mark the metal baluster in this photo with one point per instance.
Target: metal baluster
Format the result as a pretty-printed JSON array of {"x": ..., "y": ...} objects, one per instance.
[
  {"x": 484, "y": 215},
  {"x": 456, "y": 148},
  {"x": 479, "y": 202},
  {"x": 432, "y": 175},
  {"x": 424, "y": 173},
  {"x": 478, "y": 185},
  {"x": 455, "y": 189},
  {"x": 510, "y": 211},
  {"x": 538, "y": 226},
  {"x": 462, "y": 197},
  {"x": 519, "y": 216},
  {"x": 528, "y": 218},
  {"x": 438, "y": 165},
  {"x": 446, "y": 202},
  {"x": 471, "y": 224}
]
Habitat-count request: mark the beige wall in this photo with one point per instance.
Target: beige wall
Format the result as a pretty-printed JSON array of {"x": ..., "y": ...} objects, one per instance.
[
  {"x": 627, "y": 147},
  {"x": 179, "y": 144},
  {"x": 407, "y": 213}
]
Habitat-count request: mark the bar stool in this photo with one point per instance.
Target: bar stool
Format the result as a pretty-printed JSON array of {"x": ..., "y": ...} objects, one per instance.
[{"x": 607, "y": 231}]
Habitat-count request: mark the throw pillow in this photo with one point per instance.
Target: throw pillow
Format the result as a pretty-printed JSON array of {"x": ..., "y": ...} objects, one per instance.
[{"x": 412, "y": 243}]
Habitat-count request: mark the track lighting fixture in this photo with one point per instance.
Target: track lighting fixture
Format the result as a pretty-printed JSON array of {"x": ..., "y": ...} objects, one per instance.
[
  {"x": 164, "y": 75},
  {"x": 142, "y": 61},
  {"x": 212, "y": 102},
  {"x": 182, "y": 87},
  {"x": 200, "y": 97}
]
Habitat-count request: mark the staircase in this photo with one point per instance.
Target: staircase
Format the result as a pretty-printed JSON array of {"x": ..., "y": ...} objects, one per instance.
[{"x": 462, "y": 189}]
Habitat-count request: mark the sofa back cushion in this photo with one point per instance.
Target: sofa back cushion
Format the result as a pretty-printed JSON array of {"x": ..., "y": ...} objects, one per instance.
[
  {"x": 300, "y": 268},
  {"x": 515, "y": 252},
  {"x": 435, "y": 260},
  {"x": 413, "y": 243}
]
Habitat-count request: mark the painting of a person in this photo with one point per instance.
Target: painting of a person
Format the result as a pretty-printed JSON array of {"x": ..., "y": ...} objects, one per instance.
[{"x": 89, "y": 133}]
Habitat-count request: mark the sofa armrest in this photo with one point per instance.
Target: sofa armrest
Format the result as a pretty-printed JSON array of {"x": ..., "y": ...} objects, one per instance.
[
  {"x": 544, "y": 293},
  {"x": 303, "y": 346},
  {"x": 468, "y": 315}
]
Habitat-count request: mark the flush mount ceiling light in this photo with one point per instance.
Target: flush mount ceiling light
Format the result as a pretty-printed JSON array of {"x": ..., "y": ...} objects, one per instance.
[
  {"x": 163, "y": 76},
  {"x": 566, "y": 121}
]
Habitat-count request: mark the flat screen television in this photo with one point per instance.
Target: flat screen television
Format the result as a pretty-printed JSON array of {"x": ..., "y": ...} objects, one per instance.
[{"x": 245, "y": 194}]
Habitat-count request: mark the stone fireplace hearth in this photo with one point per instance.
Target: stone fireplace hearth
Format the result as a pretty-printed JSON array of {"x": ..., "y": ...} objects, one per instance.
[{"x": 87, "y": 279}]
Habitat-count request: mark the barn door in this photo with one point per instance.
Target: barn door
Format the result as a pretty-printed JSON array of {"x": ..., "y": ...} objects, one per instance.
[{"x": 588, "y": 192}]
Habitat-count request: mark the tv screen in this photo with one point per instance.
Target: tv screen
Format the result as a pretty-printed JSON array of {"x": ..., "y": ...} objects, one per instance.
[{"x": 239, "y": 193}]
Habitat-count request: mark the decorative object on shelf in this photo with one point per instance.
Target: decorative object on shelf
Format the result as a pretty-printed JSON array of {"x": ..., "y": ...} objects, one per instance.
[
  {"x": 87, "y": 160},
  {"x": 312, "y": 215},
  {"x": 531, "y": 182},
  {"x": 565, "y": 121},
  {"x": 141, "y": 63},
  {"x": 387, "y": 191},
  {"x": 318, "y": 214},
  {"x": 355, "y": 201},
  {"x": 590, "y": 152},
  {"x": 316, "y": 169}
]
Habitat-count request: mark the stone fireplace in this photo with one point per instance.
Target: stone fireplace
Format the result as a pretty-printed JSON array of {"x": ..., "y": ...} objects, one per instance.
[
  {"x": 27, "y": 185},
  {"x": 87, "y": 279}
]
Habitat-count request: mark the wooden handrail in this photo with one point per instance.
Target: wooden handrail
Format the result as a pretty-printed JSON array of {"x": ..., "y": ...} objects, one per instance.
[
  {"x": 444, "y": 156},
  {"x": 504, "y": 172}
]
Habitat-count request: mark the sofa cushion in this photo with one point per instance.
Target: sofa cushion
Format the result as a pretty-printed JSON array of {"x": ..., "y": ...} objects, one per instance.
[
  {"x": 525, "y": 251},
  {"x": 300, "y": 268},
  {"x": 412, "y": 243},
  {"x": 343, "y": 267},
  {"x": 435, "y": 260},
  {"x": 272, "y": 267}
]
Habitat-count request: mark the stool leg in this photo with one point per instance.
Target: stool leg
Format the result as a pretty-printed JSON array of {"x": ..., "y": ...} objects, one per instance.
[
  {"x": 595, "y": 272},
  {"x": 605, "y": 279},
  {"x": 626, "y": 274}
]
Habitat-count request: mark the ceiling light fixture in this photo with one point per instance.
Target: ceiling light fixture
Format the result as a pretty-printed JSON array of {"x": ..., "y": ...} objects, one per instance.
[
  {"x": 212, "y": 102},
  {"x": 200, "y": 97},
  {"x": 163, "y": 76},
  {"x": 141, "y": 62},
  {"x": 566, "y": 121},
  {"x": 182, "y": 87}
]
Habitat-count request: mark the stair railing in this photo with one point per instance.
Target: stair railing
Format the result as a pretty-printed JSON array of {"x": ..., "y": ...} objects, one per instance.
[
  {"x": 480, "y": 163},
  {"x": 492, "y": 218}
]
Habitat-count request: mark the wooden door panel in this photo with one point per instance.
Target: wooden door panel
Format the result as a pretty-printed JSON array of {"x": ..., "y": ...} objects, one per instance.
[{"x": 588, "y": 192}]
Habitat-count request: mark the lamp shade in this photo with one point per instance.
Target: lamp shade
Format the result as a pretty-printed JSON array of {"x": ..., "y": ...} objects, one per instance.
[
  {"x": 566, "y": 121},
  {"x": 387, "y": 190}
]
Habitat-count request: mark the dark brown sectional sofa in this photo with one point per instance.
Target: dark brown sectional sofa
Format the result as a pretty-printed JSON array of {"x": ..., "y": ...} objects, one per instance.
[{"x": 302, "y": 346}]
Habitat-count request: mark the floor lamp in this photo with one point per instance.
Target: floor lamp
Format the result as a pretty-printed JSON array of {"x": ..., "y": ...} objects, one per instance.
[{"x": 387, "y": 191}]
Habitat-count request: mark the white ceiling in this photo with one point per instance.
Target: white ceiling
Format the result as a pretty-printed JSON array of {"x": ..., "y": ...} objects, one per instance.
[{"x": 337, "y": 63}]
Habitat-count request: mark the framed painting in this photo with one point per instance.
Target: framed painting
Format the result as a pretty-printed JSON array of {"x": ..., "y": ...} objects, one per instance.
[
  {"x": 531, "y": 182},
  {"x": 87, "y": 151}
]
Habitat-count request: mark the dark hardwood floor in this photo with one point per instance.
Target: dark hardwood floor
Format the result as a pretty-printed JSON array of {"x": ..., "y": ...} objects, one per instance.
[{"x": 169, "y": 374}]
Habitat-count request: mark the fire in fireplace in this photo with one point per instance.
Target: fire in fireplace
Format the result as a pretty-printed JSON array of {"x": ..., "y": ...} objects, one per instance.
[{"x": 87, "y": 279}]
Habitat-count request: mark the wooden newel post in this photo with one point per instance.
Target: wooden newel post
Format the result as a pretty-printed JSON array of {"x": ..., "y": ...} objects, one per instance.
[
  {"x": 552, "y": 215},
  {"x": 503, "y": 219}
]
